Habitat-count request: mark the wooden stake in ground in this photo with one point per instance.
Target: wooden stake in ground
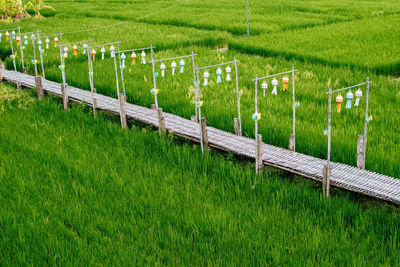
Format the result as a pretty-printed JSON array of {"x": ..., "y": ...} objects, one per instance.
[
  {"x": 360, "y": 152},
  {"x": 328, "y": 162},
  {"x": 161, "y": 122},
  {"x": 204, "y": 133},
  {"x": 122, "y": 102},
  {"x": 259, "y": 153},
  {"x": 39, "y": 87}
]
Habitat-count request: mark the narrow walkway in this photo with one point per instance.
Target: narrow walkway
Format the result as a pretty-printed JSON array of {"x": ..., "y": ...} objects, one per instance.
[{"x": 343, "y": 176}]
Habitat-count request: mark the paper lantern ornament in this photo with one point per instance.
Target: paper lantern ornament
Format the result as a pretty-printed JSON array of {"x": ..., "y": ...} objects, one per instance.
[
  {"x": 65, "y": 51},
  {"x": 264, "y": 86},
  {"x": 274, "y": 84},
  {"x": 143, "y": 55},
  {"x": 55, "y": 41},
  {"x": 7, "y": 36},
  {"x": 13, "y": 35},
  {"x": 349, "y": 97},
  {"x": 205, "y": 76},
  {"x": 339, "y": 100},
  {"x": 133, "y": 57},
  {"x": 358, "y": 97},
  {"x": 85, "y": 46},
  {"x": 47, "y": 43},
  {"x": 228, "y": 71},
  {"x": 18, "y": 40},
  {"x": 93, "y": 53},
  {"x": 219, "y": 73},
  {"x": 182, "y": 64},
  {"x": 112, "y": 51},
  {"x": 25, "y": 39},
  {"x": 285, "y": 81},
  {"x": 173, "y": 66},
  {"x": 123, "y": 57},
  {"x": 102, "y": 51},
  {"x": 162, "y": 67},
  {"x": 75, "y": 48}
]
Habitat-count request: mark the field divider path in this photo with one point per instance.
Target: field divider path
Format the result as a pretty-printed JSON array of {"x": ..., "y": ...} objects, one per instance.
[{"x": 343, "y": 176}]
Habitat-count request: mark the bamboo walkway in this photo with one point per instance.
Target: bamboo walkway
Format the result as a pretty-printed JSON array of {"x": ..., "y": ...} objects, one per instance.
[{"x": 343, "y": 176}]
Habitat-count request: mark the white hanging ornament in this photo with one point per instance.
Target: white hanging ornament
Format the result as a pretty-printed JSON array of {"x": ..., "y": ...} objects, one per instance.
[
  {"x": 65, "y": 51},
  {"x": 219, "y": 73},
  {"x": 228, "y": 71},
  {"x": 264, "y": 86},
  {"x": 182, "y": 64},
  {"x": 274, "y": 84},
  {"x": 1, "y": 35},
  {"x": 205, "y": 76},
  {"x": 112, "y": 51},
  {"x": 85, "y": 46},
  {"x": 162, "y": 67},
  {"x": 25, "y": 39},
  {"x": 102, "y": 50},
  {"x": 13, "y": 35},
  {"x": 173, "y": 66},
  {"x": 47, "y": 43},
  {"x": 358, "y": 96},
  {"x": 143, "y": 54}
]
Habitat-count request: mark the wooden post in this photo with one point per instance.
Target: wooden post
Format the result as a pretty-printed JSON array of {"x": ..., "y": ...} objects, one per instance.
[
  {"x": 64, "y": 96},
  {"x": 360, "y": 152},
  {"x": 325, "y": 180},
  {"x": 122, "y": 110},
  {"x": 161, "y": 122},
  {"x": 256, "y": 122},
  {"x": 237, "y": 126},
  {"x": 154, "y": 75},
  {"x": 365, "y": 122},
  {"x": 293, "y": 136},
  {"x": 94, "y": 103},
  {"x": 238, "y": 97},
  {"x": 291, "y": 143},
  {"x": 204, "y": 133},
  {"x": 259, "y": 154},
  {"x": 19, "y": 85},
  {"x": 39, "y": 86}
]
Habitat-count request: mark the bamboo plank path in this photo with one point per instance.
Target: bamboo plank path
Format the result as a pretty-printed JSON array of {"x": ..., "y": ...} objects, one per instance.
[{"x": 343, "y": 176}]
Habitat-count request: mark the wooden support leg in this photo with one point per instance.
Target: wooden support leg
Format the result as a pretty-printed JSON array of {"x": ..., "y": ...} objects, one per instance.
[
  {"x": 39, "y": 87},
  {"x": 193, "y": 118},
  {"x": 153, "y": 106},
  {"x": 161, "y": 122},
  {"x": 325, "y": 185},
  {"x": 65, "y": 96},
  {"x": 204, "y": 133},
  {"x": 122, "y": 114},
  {"x": 291, "y": 142},
  {"x": 259, "y": 154},
  {"x": 19, "y": 87},
  {"x": 237, "y": 126},
  {"x": 24, "y": 70},
  {"x": 360, "y": 152}
]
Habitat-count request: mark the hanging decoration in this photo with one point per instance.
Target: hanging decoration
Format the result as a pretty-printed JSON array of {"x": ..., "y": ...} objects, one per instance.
[
  {"x": 143, "y": 54},
  {"x": 47, "y": 42},
  {"x": 102, "y": 50},
  {"x": 205, "y": 76},
  {"x": 55, "y": 41},
  {"x": 7, "y": 36},
  {"x": 162, "y": 67},
  {"x": 297, "y": 104},
  {"x": 13, "y": 56},
  {"x": 13, "y": 35},
  {"x": 285, "y": 81},
  {"x": 199, "y": 104},
  {"x": 182, "y": 64},
  {"x": 1, "y": 35},
  {"x": 256, "y": 116},
  {"x": 326, "y": 132},
  {"x": 39, "y": 42},
  {"x": 264, "y": 86},
  {"x": 133, "y": 57},
  {"x": 349, "y": 97},
  {"x": 274, "y": 84},
  {"x": 65, "y": 51},
  {"x": 112, "y": 51},
  {"x": 26, "y": 39},
  {"x": 18, "y": 41},
  {"x": 339, "y": 100},
  {"x": 93, "y": 53},
  {"x": 358, "y": 97},
  {"x": 173, "y": 66},
  {"x": 154, "y": 91},
  {"x": 84, "y": 48},
  {"x": 61, "y": 67},
  {"x": 369, "y": 118},
  {"x": 34, "y": 61},
  {"x": 123, "y": 57},
  {"x": 228, "y": 71},
  {"x": 75, "y": 48},
  {"x": 219, "y": 73}
]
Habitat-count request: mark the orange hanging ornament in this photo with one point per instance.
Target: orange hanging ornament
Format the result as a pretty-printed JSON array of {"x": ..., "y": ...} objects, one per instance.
[
  {"x": 285, "y": 82},
  {"x": 133, "y": 56},
  {"x": 339, "y": 100},
  {"x": 93, "y": 53},
  {"x": 7, "y": 36},
  {"x": 75, "y": 50},
  {"x": 18, "y": 40},
  {"x": 55, "y": 41}
]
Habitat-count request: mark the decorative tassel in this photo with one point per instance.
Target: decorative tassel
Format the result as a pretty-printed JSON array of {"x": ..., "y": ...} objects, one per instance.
[
  {"x": 75, "y": 48},
  {"x": 123, "y": 57},
  {"x": 339, "y": 100},
  {"x": 219, "y": 73},
  {"x": 285, "y": 81},
  {"x": 173, "y": 66},
  {"x": 102, "y": 50},
  {"x": 55, "y": 41},
  {"x": 199, "y": 104},
  {"x": 93, "y": 53},
  {"x": 47, "y": 43},
  {"x": 326, "y": 132},
  {"x": 349, "y": 97},
  {"x": 84, "y": 48},
  {"x": 264, "y": 86},
  {"x": 143, "y": 54},
  {"x": 228, "y": 71},
  {"x": 369, "y": 118},
  {"x": 162, "y": 67},
  {"x": 182, "y": 64},
  {"x": 274, "y": 84},
  {"x": 358, "y": 97},
  {"x": 133, "y": 57},
  {"x": 205, "y": 76}
]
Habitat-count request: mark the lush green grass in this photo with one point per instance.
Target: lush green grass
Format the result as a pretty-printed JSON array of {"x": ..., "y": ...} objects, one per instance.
[{"x": 84, "y": 192}]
